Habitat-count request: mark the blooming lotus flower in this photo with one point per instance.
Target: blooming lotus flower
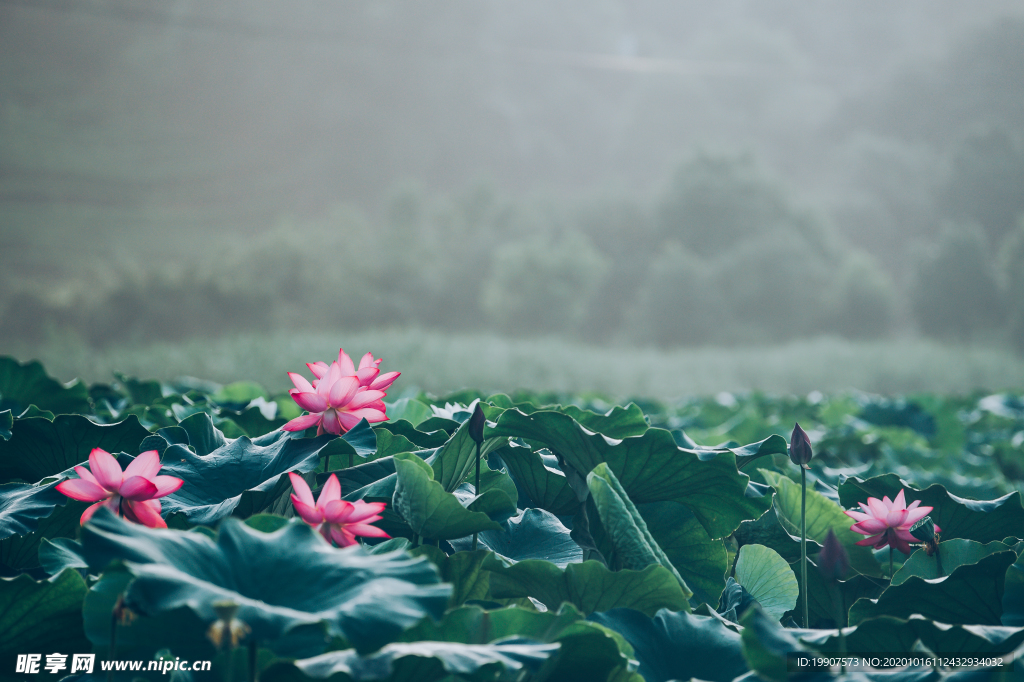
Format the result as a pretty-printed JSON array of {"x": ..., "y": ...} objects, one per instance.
[
  {"x": 341, "y": 395},
  {"x": 368, "y": 374},
  {"x": 133, "y": 492},
  {"x": 888, "y": 522},
  {"x": 336, "y": 519}
]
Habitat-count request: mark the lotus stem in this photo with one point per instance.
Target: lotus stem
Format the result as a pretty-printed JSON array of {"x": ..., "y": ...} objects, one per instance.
[
  {"x": 803, "y": 542},
  {"x": 890, "y": 563},
  {"x": 477, "y": 489},
  {"x": 253, "y": 672},
  {"x": 938, "y": 563},
  {"x": 112, "y": 651}
]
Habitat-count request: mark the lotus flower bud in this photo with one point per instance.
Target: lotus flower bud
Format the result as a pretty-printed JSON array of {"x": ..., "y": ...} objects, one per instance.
[
  {"x": 924, "y": 530},
  {"x": 833, "y": 561},
  {"x": 800, "y": 447},
  {"x": 476, "y": 425}
]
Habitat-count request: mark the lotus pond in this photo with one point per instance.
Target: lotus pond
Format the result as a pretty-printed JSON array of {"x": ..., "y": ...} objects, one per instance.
[{"x": 329, "y": 533}]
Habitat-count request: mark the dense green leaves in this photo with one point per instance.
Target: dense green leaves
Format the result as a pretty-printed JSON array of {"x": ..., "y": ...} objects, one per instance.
[
  {"x": 651, "y": 467},
  {"x": 590, "y": 586},
  {"x": 424, "y": 661},
  {"x": 39, "y": 447},
  {"x": 970, "y": 595}
]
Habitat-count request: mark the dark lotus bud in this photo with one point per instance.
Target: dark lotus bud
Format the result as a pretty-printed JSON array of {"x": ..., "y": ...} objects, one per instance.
[
  {"x": 833, "y": 562},
  {"x": 476, "y": 425},
  {"x": 924, "y": 530},
  {"x": 800, "y": 447}
]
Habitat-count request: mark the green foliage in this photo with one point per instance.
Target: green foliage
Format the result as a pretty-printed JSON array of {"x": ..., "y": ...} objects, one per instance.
[
  {"x": 540, "y": 285},
  {"x": 642, "y": 496}
]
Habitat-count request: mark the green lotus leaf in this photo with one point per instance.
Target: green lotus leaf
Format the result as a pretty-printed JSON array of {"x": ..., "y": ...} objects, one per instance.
[
  {"x": 456, "y": 458},
  {"x": 822, "y": 514},
  {"x": 590, "y": 586},
  {"x": 389, "y": 443},
  {"x": 767, "y": 530},
  {"x": 41, "y": 617},
  {"x": 242, "y": 477},
  {"x": 701, "y": 561},
  {"x": 140, "y": 636},
  {"x": 768, "y": 579},
  {"x": 253, "y": 420},
  {"x": 544, "y": 484},
  {"x": 678, "y": 646},
  {"x": 532, "y": 534},
  {"x": 429, "y": 510},
  {"x": 1013, "y": 591},
  {"x": 618, "y": 422},
  {"x": 60, "y": 553},
  {"x": 23, "y": 504},
  {"x": 970, "y": 595},
  {"x": 953, "y": 554},
  {"x": 290, "y": 585},
  {"x": 401, "y": 427},
  {"x": 21, "y": 552},
  {"x": 625, "y": 527},
  {"x": 420, "y": 662},
  {"x": 887, "y": 634},
  {"x": 27, "y": 384},
  {"x": 410, "y": 410},
  {"x": 982, "y": 521},
  {"x": 467, "y": 572},
  {"x": 39, "y": 448},
  {"x": 589, "y": 651},
  {"x": 766, "y": 645},
  {"x": 828, "y": 601},
  {"x": 6, "y": 424},
  {"x": 650, "y": 467}
]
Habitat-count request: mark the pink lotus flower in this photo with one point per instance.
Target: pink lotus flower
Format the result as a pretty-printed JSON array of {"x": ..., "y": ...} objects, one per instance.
[
  {"x": 368, "y": 373},
  {"x": 336, "y": 519},
  {"x": 341, "y": 395},
  {"x": 888, "y": 522},
  {"x": 133, "y": 492}
]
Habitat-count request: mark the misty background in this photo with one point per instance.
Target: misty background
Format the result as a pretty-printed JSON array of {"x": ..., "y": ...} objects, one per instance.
[{"x": 786, "y": 182}]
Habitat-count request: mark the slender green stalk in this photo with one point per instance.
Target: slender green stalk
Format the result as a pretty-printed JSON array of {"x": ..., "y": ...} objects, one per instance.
[
  {"x": 803, "y": 542},
  {"x": 253, "y": 672},
  {"x": 938, "y": 562},
  {"x": 112, "y": 651},
  {"x": 890, "y": 562},
  {"x": 477, "y": 485}
]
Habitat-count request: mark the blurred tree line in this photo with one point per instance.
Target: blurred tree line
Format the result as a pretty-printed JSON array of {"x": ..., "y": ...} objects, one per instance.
[{"x": 723, "y": 254}]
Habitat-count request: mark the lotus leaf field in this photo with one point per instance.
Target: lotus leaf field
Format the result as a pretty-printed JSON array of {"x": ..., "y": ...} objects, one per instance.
[{"x": 627, "y": 543}]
